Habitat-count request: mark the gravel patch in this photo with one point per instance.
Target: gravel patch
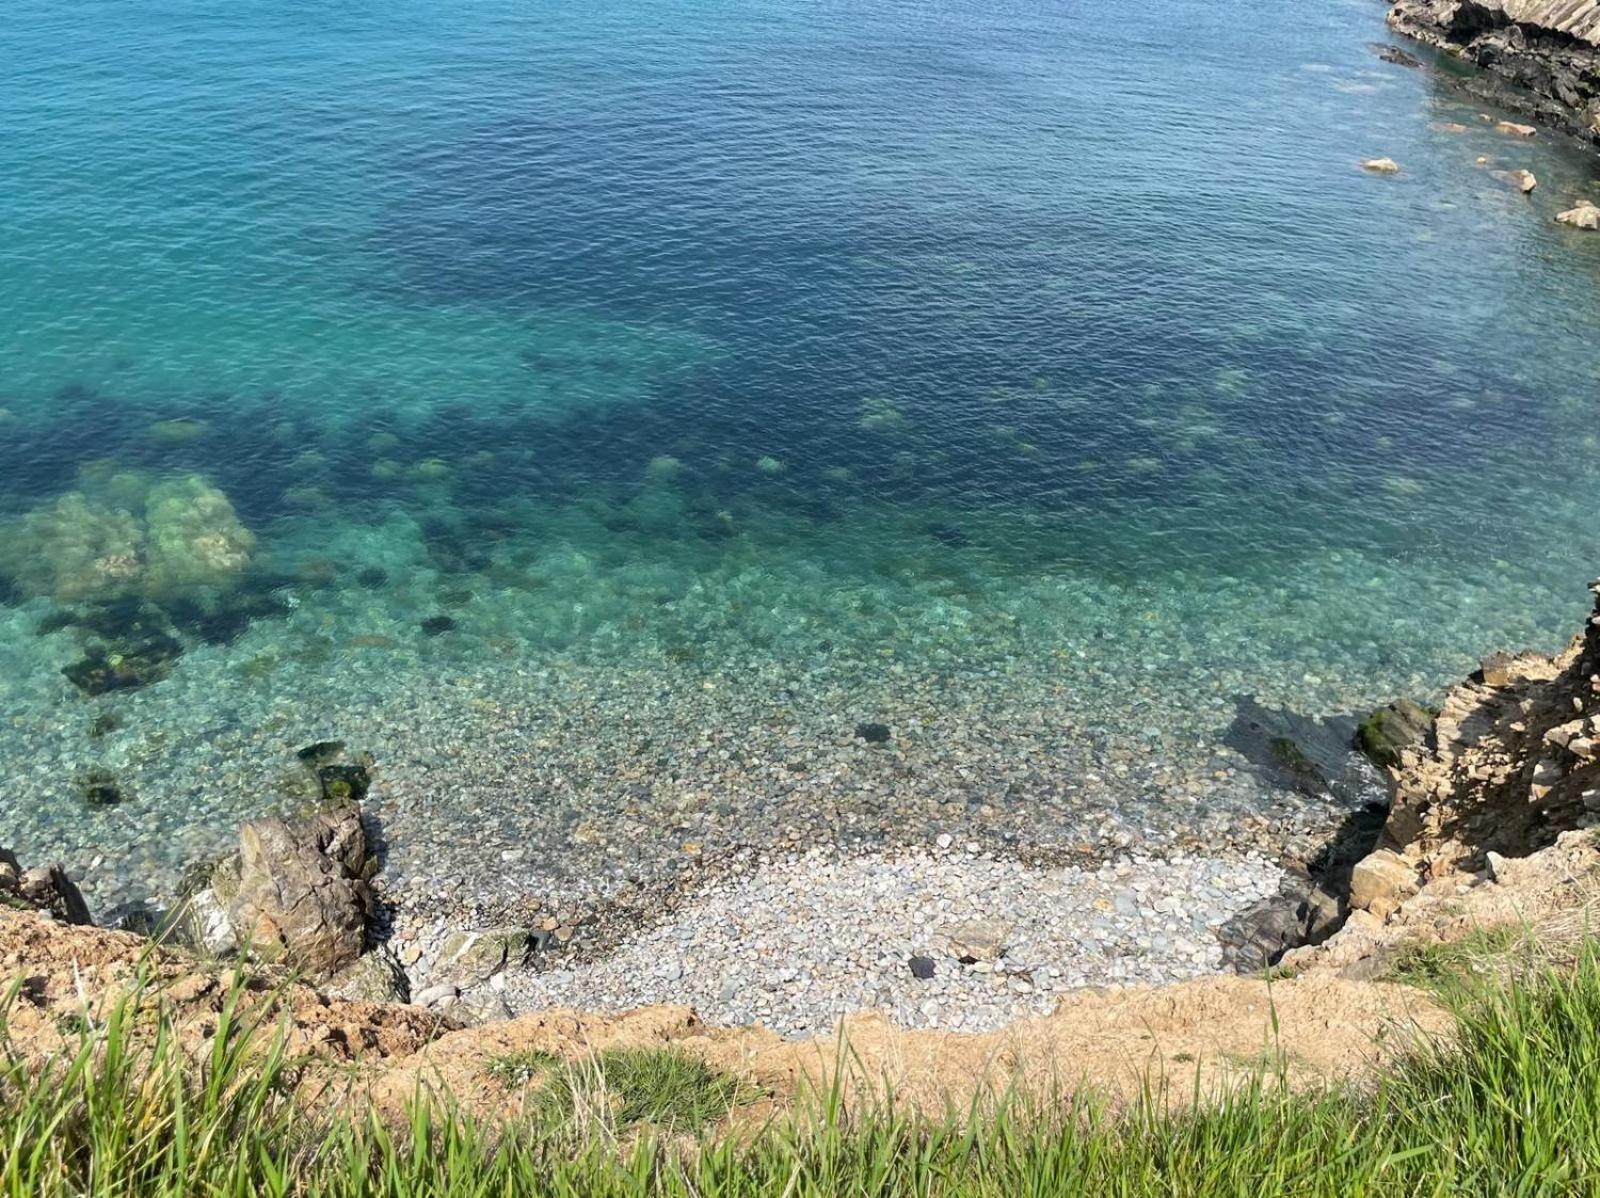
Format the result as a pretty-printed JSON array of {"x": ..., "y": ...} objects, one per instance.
[{"x": 807, "y": 939}]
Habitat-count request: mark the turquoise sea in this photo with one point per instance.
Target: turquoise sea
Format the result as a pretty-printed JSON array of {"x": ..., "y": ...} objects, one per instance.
[{"x": 596, "y": 412}]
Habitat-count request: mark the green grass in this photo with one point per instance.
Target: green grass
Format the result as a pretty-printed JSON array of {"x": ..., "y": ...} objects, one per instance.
[
  {"x": 514, "y": 1070},
  {"x": 1451, "y": 966},
  {"x": 1510, "y": 1106},
  {"x": 622, "y": 1088}
]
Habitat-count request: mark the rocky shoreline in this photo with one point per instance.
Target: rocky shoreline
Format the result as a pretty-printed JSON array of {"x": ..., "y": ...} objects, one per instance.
[{"x": 1540, "y": 57}]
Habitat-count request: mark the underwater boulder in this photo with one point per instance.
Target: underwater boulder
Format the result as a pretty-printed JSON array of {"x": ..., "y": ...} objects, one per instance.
[
  {"x": 193, "y": 537},
  {"x": 120, "y": 535},
  {"x": 105, "y": 668},
  {"x": 73, "y": 549}
]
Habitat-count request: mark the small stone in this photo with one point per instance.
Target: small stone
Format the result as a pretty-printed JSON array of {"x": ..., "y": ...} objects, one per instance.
[
  {"x": 978, "y": 940},
  {"x": 922, "y": 968},
  {"x": 434, "y": 995}
]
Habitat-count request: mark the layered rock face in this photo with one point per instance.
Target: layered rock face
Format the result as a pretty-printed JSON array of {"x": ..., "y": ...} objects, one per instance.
[
  {"x": 1548, "y": 49},
  {"x": 1511, "y": 762}
]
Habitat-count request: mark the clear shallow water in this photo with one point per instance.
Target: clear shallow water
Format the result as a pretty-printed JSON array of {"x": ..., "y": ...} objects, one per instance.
[{"x": 1067, "y": 358}]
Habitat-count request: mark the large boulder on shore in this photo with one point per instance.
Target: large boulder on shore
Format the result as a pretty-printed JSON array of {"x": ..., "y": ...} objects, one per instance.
[{"x": 298, "y": 893}]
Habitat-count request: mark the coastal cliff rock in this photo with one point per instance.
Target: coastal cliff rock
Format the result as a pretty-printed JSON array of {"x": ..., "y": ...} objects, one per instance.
[
  {"x": 296, "y": 892},
  {"x": 1511, "y": 762},
  {"x": 1547, "y": 50}
]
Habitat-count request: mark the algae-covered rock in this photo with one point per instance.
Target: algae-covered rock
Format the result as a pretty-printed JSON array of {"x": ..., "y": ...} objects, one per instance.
[
  {"x": 72, "y": 549},
  {"x": 467, "y": 958},
  {"x": 193, "y": 537},
  {"x": 1397, "y": 726},
  {"x": 122, "y": 536}
]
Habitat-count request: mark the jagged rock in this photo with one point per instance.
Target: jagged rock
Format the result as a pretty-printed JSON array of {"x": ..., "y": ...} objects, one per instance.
[
  {"x": 1381, "y": 881},
  {"x": 467, "y": 958},
  {"x": 1584, "y": 216},
  {"x": 302, "y": 895},
  {"x": 1511, "y": 759},
  {"x": 43, "y": 888},
  {"x": 373, "y": 977},
  {"x": 978, "y": 940}
]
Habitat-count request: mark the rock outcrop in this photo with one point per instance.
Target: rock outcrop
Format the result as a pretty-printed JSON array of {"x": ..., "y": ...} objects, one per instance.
[
  {"x": 1547, "y": 51},
  {"x": 1511, "y": 763},
  {"x": 296, "y": 892},
  {"x": 43, "y": 888}
]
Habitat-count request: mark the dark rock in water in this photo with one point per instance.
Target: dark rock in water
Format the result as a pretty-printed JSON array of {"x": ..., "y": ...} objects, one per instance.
[
  {"x": 320, "y": 752},
  {"x": 124, "y": 667},
  {"x": 344, "y": 782},
  {"x": 133, "y": 646},
  {"x": 1296, "y": 752},
  {"x": 99, "y": 788},
  {"x": 1396, "y": 55},
  {"x": 437, "y": 625},
  {"x": 104, "y": 724},
  {"x": 43, "y": 888},
  {"x": 1396, "y": 726},
  {"x": 227, "y": 618},
  {"x": 373, "y": 578},
  {"x": 874, "y": 734},
  {"x": 61, "y": 618},
  {"x": 921, "y": 968}
]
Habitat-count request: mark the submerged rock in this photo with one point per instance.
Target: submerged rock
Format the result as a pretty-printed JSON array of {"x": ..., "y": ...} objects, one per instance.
[
  {"x": 123, "y": 536},
  {"x": 105, "y": 668},
  {"x": 99, "y": 788},
  {"x": 874, "y": 734},
  {"x": 1396, "y": 55}
]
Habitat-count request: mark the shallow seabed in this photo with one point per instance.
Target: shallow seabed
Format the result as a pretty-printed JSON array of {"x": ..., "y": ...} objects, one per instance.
[{"x": 598, "y": 416}]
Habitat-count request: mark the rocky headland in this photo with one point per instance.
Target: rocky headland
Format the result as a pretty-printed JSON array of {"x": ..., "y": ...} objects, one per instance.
[{"x": 1541, "y": 57}]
